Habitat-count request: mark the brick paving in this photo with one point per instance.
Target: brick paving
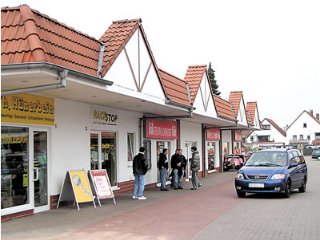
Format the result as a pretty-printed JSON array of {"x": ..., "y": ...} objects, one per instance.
[{"x": 213, "y": 212}]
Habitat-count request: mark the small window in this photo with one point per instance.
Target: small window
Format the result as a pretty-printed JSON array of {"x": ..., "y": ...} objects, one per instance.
[
  {"x": 304, "y": 125},
  {"x": 130, "y": 140},
  {"x": 308, "y": 137},
  {"x": 294, "y": 137},
  {"x": 301, "y": 137}
]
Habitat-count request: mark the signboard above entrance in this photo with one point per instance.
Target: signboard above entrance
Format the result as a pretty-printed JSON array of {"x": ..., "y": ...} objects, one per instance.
[
  {"x": 161, "y": 129},
  {"x": 213, "y": 134},
  {"x": 27, "y": 109}
]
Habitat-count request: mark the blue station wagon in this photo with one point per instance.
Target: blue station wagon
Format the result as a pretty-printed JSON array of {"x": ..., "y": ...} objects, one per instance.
[{"x": 272, "y": 171}]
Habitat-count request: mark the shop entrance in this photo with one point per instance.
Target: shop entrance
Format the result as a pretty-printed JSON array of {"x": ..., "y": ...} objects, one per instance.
[
  {"x": 24, "y": 178},
  {"x": 188, "y": 154},
  {"x": 103, "y": 152}
]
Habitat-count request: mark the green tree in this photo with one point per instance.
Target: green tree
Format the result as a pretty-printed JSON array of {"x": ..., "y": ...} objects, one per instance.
[{"x": 213, "y": 81}]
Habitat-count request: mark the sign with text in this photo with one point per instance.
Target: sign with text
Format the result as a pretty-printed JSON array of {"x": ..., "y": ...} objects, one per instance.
[
  {"x": 213, "y": 134},
  {"x": 101, "y": 184},
  {"x": 237, "y": 136},
  {"x": 161, "y": 129},
  {"x": 103, "y": 117},
  {"x": 28, "y": 109},
  {"x": 81, "y": 186}
]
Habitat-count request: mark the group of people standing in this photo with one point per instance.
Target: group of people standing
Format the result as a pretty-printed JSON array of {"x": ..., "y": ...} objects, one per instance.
[{"x": 178, "y": 169}]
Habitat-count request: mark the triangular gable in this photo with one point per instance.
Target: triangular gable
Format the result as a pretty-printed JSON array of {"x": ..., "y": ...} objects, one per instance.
[
  {"x": 175, "y": 88},
  {"x": 28, "y": 36},
  {"x": 128, "y": 59},
  {"x": 304, "y": 112},
  {"x": 276, "y": 126},
  {"x": 200, "y": 90},
  {"x": 237, "y": 102}
]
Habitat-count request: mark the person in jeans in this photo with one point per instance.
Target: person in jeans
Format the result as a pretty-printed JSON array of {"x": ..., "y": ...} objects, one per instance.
[
  {"x": 178, "y": 164},
  {"x": 140, "y": 168},
  {"x": 163, "y": 168},
  {"x": 195, "y": 167}
]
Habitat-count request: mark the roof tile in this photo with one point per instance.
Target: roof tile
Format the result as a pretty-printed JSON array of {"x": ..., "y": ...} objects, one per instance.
[
  {"x": 193, "y": 77},
  {"x": 235, "y": 99},
  {"x": 251, "y": 111},
  {"x": 223, "y": 108}
]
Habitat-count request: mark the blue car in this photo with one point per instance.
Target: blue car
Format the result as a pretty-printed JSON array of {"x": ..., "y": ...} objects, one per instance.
[{"x": 272, "y": 171}]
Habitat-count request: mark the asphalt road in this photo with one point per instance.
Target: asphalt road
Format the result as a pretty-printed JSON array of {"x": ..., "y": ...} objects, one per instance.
[{"x": 213, "y": 212}]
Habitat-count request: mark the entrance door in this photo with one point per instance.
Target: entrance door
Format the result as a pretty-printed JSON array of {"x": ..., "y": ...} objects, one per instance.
[
  {"x": 160, "y": 146},
  {"x": 188, "y": 154},
  {"x": 40, "y": 170}
]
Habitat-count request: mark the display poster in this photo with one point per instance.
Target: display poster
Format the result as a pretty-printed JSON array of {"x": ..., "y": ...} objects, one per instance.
[
  {"x": 27, "y": 109},
  {"x": 161, "y": 129},
  {"x": 101, "y": 184},
  {"x": 81, "y": 187},
  {"x": 237, "y": 136}
]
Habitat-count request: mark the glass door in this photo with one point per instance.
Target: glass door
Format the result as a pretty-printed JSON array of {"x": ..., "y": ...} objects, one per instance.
[{"x": 40, "y": 170}]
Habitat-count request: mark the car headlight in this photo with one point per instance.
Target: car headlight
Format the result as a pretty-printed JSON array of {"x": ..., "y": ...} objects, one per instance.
[
  {"x": 278, "y": 176},
  {"x": 239, "y": 176}
]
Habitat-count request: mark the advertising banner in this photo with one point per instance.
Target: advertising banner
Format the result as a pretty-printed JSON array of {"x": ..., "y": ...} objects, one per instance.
[
  {"x": 237, "y": 136},
  {"x": 213, "y": 134},
  {"x": 28, "y": 109},
  {"x": 161, "y": 129},
  {"x": 102, "y": 117}
]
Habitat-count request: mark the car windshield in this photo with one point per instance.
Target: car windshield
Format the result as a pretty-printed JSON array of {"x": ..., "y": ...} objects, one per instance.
[
  {"x": 316, "y": 152},
  {"x": 267, "y": 159}
]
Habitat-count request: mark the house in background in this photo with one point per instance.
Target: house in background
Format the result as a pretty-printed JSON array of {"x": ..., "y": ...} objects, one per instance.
[
  {"x": 305, "y": 129},
  {"x": 270, "y": 135}
]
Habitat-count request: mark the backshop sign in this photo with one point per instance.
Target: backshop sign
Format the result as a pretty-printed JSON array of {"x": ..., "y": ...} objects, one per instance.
[
  {"x": 213, "y": 134},
  {"x": 161, "y": 129}
]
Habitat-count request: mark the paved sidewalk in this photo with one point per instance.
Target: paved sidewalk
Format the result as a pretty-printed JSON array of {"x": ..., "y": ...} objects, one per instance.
[{"x": 164, "y": 215}]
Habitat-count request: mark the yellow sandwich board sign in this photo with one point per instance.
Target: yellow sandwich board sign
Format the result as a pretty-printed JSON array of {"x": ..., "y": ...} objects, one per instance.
[{"x": 76, "y": 187}]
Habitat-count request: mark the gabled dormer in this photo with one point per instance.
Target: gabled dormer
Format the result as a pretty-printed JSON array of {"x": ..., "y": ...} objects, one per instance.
[
  {"x": 253, "y": 115},
  {"x": 200, "y": 90},
  {"x": 128, "y": 61},
  {"x": 237, "y": 102}
]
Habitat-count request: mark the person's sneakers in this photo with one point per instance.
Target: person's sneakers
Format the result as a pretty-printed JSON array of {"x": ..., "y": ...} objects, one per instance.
[
  {"x": 141, "y": 198},
  {"x": 164, "y": 189},
  {"x": 134, "y": 197},
  {"x": 200, "y": 185},
  {"x": 181, "y": 188},
  {"x": 193, "y": 188}
]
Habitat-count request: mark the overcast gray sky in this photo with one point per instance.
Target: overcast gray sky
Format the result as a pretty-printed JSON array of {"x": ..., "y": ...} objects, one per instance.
[{"x": 270, "y": 50}]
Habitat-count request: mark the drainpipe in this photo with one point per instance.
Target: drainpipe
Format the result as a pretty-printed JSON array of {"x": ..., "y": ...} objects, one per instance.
[{"x": 63, "y": 83}]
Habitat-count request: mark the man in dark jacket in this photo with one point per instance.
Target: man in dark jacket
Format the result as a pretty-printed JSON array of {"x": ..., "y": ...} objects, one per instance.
[
  {"x": 163, "y": 168},
  {"x": 178, "y": 164},
  {"x": 140, "y": 168}
]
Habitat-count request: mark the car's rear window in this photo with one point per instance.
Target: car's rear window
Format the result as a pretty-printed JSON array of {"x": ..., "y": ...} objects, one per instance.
[{"x": 267, "y": 158}]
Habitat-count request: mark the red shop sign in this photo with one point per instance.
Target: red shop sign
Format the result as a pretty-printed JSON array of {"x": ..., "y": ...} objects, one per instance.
[
  {"x": 161, "y": 129},
  {"x": 213, "y": 134},
  {"x": 237, "y": 136}
]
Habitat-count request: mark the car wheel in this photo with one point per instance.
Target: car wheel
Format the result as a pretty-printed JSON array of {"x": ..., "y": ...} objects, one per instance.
[
  {"x": 241, "y": 194},
  {"x": 287, "y": 190},
  {"x": 304, "y": 186}
]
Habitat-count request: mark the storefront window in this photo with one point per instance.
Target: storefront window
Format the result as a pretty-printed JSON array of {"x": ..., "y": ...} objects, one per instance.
[
  {"x": 211, "y": 155},
  {"x": 14, "y": 166},
  {"x": 94, "y": 137},
  {"x": 108, "y": 155}
]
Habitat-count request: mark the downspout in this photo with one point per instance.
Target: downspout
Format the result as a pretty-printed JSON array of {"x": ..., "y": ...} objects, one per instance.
[
  {"x": 203, "y": 133},
  {"x": 63, "y": 83}
]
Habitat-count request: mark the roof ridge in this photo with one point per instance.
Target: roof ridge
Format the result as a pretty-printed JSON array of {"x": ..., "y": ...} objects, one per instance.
[
  {"x": 197, "y": 66},
  {"x": 160, "y": 69},
  {"x": 128, "y": 20}
]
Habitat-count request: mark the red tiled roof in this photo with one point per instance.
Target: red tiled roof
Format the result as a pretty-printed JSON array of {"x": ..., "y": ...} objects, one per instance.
[
  {"x": 251, "y": 110},
  {"x": 175, "y": 88},
  {"x": 115, "y": 38},
  {"x": 276, "y": 126},
  {"x": 193, "y": 77},
  {"x": 223, "y": 108},
  {"x": 29, "y": 36},
  {"x": 235, "y": 99}
]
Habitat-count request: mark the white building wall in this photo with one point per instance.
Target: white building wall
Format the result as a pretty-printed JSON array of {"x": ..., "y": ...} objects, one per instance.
[
  {"x": 274, "y": 134},
  {"x": 242, "y": 114},
  {"x": 70, "y": 141}
]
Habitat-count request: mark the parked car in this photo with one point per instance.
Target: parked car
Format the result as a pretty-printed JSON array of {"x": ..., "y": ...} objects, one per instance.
[
  {"x": 272, "y": 171},
  {"x": 233, "y": 162},
  {"x": 316, "y": 154}
]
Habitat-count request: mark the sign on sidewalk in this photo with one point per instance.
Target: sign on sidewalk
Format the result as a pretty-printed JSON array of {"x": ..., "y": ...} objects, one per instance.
[
  {"x": 101, "y": 185},
  {"x": 76, "y": 187}
]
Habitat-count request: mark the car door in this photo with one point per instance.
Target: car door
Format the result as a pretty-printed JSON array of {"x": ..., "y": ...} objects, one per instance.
[{"x": 294, "y": 171}]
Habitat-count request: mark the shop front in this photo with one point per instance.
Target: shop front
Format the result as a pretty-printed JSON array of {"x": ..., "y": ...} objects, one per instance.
[
  {"x": 236, "y": 142},
  {"x": 212, "y": 149},
  {"x": 159, "y": 134},
  {"x": 25, "y": 154}
]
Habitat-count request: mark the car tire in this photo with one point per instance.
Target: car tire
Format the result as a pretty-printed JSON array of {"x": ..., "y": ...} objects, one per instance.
[
  {"x": 241, "y": 194},
  {"x": 304, "y": 186},
  {"x": 287, "y": 190}
]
